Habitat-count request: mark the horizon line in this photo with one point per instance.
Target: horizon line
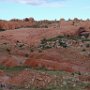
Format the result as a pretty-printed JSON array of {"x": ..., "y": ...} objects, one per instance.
[{"x": 46, "y": 19}]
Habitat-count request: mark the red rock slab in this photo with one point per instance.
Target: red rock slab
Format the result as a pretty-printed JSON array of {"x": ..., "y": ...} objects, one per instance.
[
  {"x": 48, "y": 64},
  {"x": 9, "y": 62}
]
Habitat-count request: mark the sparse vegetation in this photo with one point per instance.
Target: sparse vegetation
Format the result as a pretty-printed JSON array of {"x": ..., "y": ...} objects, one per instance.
[
  {"x": 12, "y": 69},
  {"x": 65, "y": 60},
  {"x": 31, "y": 49},
  {"x": 55, "y": 40},
  {"x": 61, "y": 81},
  {"x": 43, "y": 43},
  {"x": 63, "y": 44},
  {"x": 2, "y": 30}
]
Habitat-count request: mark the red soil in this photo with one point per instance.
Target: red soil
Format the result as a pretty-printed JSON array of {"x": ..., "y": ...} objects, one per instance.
[
  {"x": 55, "y": 59},
  {"x": 31, "y": 78},
  {"x": 8, "y": 61}
]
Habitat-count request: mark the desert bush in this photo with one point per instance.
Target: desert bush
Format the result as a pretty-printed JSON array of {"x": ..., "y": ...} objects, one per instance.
[
  {"x": 8, "y": 50},
  {"x": 87, "y": 45},
  {"x": 64, "y": 45},
  {"x": 46, "y": 26},
  {"x": 44, "y": 41},
  {"x": 83, "y": 50},
  {"x": 26, "y": 55},
  {"x": 31, "y": 49},
  {"x": 2, "y": 29}
]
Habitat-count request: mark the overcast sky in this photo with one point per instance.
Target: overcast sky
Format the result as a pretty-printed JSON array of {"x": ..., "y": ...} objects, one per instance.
[{"x": 44, "y": 9}]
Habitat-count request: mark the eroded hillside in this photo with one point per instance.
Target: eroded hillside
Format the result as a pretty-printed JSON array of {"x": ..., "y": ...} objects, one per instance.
[{"x": 54, "y": 56}]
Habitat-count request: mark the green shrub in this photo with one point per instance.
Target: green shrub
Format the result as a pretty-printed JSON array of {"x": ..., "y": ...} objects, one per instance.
[
  {"x": 44, "y": 41},
  {"x": 2, "y": 29},
  {"x": 8, "y": 50},
  {"x": 64, "y": 45}
]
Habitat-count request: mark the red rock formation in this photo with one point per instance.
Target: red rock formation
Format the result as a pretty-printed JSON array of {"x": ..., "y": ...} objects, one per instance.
[
  {"x": 9, "y": 62},
  {"x": 50, "y": 65},
  {"x": 14, "y": 24}
]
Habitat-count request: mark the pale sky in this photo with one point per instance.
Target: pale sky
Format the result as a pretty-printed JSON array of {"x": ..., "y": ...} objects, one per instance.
[{"x": 44, "y": 9}]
